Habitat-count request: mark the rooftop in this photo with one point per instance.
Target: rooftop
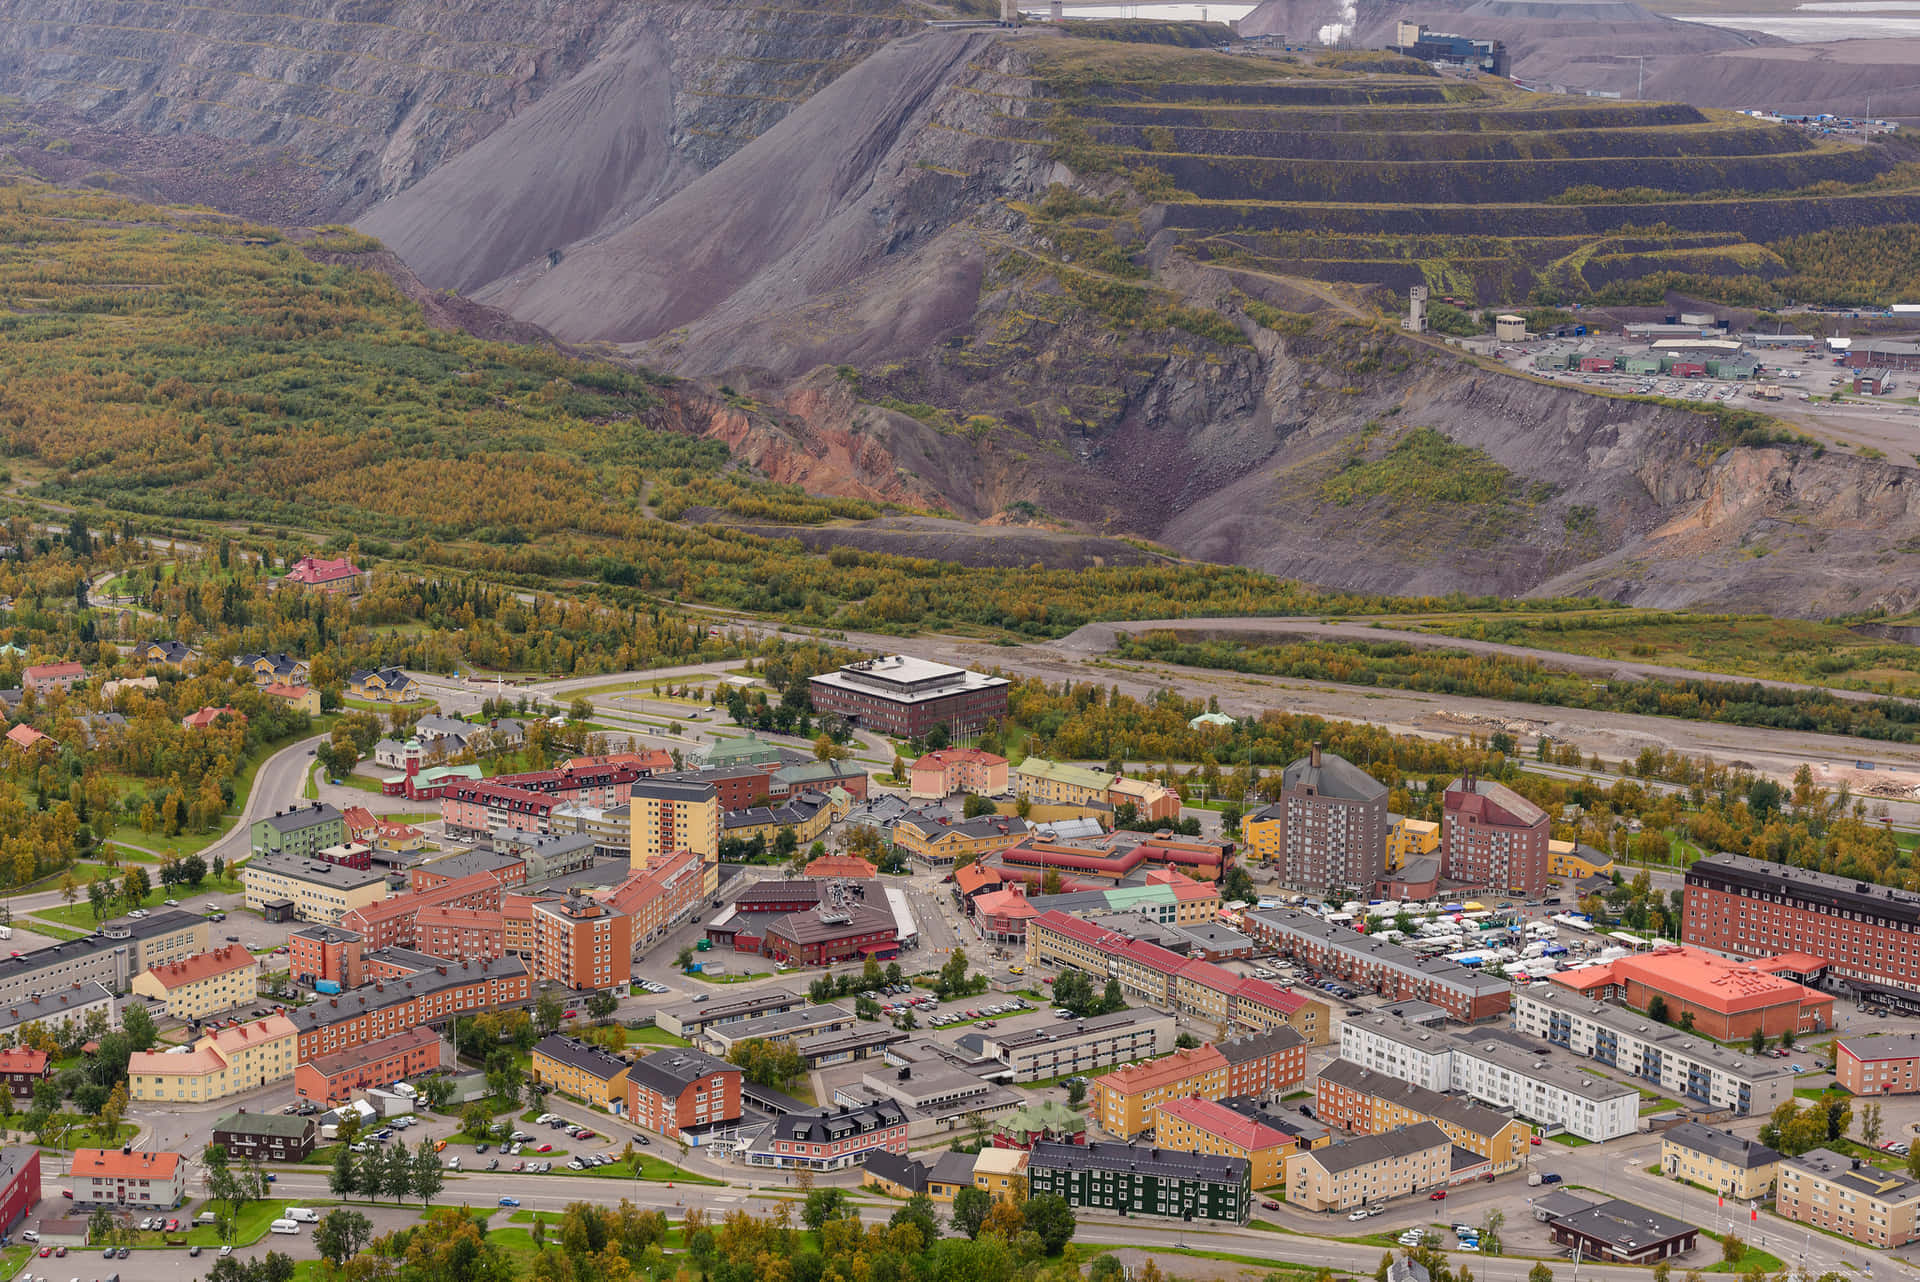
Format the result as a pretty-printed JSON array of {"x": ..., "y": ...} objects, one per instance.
[
  {"x": 1438, "y": 969},
  {"x": 1327, "y": 774},
  {"x": 1474, "y": 1118},
  {"x": 1626, "y": 1228},
  {"x": 1672, "y": 1041},
  {"x": 300, "y": 817},
  {"x": 1365, "y": 1150},
  {"x": 316, "y": 871},
  {"x": 1165, "y": 1163},
  {"x": 1852, "y": 1173},
  {"x": 906, "y": 679},
  {"x": 111, "y": 1163},
  {"x": 1707, "y": 980},
  {"x": 1164, "y": 1071},
  {"x": 203, "y": 966},
  {"x": 581, "y": 1056},
  {"x": 397, "y": 992},
  {"x": 1721, "y": 1145},
  {"x": 668, "y": 1072},
  {"x": 1216, "y": 1119},
  {"x": 826, "y": 1125},
  {"x": 1879, "y": 1046},
  {"x": 245, "y": 1123}
]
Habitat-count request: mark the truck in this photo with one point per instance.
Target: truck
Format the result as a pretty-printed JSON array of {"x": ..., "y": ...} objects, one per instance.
[
  {"x": 328, "y": 986},
  {"x": 304, "y": 1214}
]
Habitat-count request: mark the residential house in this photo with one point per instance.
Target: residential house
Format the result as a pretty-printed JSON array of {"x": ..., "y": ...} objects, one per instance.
[
  {"x": 1729, "y": 1164},
  {"x": 136, "y": 1179},
  {"x": 172, "y": 654},
  {"x": 206, "y": 718},
  {"x": 277, "y": 668},
  {"x": 266, "y": 1137},
  {"x": 45, "y": 678},
  {"x": 301, "y": 698},
  {"x": 381, "y": 685},
  {"x": 327, "y": 574}
]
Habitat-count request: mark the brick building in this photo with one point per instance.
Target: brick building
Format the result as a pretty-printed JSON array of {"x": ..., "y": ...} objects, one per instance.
[
  {"x": 582, "y": 943},
  {"x": 1331, "y": 822},
  {"x": 905, "y": 697},
  {"x": 1386, "y": 968},
  {"x": 333, "y": 953},
  {"x": 1728, "y": 1001},
  {"x": 1493, "y": 837},
  {"x": 379, "y": 1010},
  {"x": 682, "y": 1092},
  {"x": 1879, "y": 1065},
  {"x": 328, "y": 1079}
]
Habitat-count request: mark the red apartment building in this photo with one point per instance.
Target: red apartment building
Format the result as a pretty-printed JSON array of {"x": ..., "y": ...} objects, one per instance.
[
  {"x": 907, "y": 697},
  {"x": 654, "y": 899},
  {"x": 1258, "y": 1063},
  {"x": 1494, "y": 837},
  {"x": 682, "y": 1091},
  {"x": 325, "y": 952},
  {"x": 1881, "y": 1065},
  {"x": 379, "y": 1010},
  {"x": 390, "y": 923},
  {"x": 19, "y": 1186},
  {"x": 463, "y": 934},
  {"x": 582, "y": 943},
  {"x": 391, "y": 1059},
  {"x": 480, "y": 809}
]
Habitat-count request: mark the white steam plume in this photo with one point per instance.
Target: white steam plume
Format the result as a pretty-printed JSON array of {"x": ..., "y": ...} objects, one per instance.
[{"x": 1334, "y": 32}]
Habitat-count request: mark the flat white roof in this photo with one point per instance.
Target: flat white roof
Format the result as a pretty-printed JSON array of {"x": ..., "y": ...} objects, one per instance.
[{"x": 906, "y": 679}]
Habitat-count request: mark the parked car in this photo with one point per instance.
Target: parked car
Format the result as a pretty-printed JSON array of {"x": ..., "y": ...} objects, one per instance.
[
  {"x": 1438, "y": 1195},
  {"x": 1269, "y": 1205},
  {"x": 509, "y": 1201}
]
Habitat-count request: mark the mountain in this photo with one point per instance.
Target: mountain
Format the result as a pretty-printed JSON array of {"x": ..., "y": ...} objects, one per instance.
[{"x": 1032, "y": 279}]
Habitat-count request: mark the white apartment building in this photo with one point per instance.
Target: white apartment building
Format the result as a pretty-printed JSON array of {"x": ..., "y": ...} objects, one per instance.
[
  {"x": 1405, "y": 1052},
  {"x": 1675, "y": 1063}
]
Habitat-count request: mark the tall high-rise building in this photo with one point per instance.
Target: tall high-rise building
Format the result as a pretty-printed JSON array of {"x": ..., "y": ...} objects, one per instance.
[
  {"x": 670, "y": 815},
  {"x": 1494, "y": 837},
  {"x": 582, "y": 943},
  {"x": 1330, "y": 825}
]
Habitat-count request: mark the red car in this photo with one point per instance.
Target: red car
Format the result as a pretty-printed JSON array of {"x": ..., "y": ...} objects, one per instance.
[
  {"x": 573, "y": 1014},
  {"x": 59, "y": 1252},
  {"x": 544, "y": 1148},
  {"x": 1438, "y": 1195},
  {"x": 1533, "y": 1139},
  {"x": 46, "y": 1252},
  {"x": 173, "y": 1226}
]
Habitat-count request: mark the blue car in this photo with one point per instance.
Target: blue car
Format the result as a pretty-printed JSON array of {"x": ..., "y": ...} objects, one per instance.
[{"x": 509, "y": 1201}]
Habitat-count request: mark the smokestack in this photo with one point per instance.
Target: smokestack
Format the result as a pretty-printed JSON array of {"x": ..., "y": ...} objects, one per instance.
[{"x": 1313, "y": 755}]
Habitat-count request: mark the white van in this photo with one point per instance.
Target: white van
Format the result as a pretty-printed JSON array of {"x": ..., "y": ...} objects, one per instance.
[
  {"x": 303, "y": 1214},
  {"x": 283, "y": 1226}
]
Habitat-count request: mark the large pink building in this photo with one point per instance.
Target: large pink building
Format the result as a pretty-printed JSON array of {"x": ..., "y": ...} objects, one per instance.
[
  {"x": 951, "y": 770},
  {"x": 479, "y": 809}
]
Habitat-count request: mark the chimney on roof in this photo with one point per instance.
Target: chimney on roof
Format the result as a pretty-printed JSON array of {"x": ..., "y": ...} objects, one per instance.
[{"x": 1313, "y": 755}]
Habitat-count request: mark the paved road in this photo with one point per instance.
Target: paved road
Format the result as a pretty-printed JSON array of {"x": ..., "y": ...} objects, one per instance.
[{"x": 1099, "y": 638}]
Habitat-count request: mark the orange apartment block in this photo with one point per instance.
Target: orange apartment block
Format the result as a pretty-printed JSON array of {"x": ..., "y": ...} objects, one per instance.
[
  {"x": 1207, "y": 1126},
  {"x": 1124, "y": 1101},
  {"x": 951, "y": 770},
  {"x": 516, "y": 922},
  {"x": 390, "y": 923},
  {"x": 325, "y": 952},
  {"x": 656, "y": 896},
  {"x": 463, "y": 934},
  {"x": 1359, "y": 1099},
  {"x": 391, "y": 1059},
  {"x": 582, "y": 943}
]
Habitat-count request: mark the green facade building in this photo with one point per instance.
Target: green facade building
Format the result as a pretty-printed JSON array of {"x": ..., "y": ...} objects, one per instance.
[
  {"x": 1138, "y": 1179},
  {"x": 302, "y": 832}
]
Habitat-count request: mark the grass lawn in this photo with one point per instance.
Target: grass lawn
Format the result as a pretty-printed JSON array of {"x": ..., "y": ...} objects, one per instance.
[
  {"x": 651, "y": 1036},
  {"x": 361, "y": 782},
  {"x": 48, "y": 929},
  {"x": 13, "y": 1258},
  {"x": 83, "y": 1134},
  {"x": 1571, "y": 1141},
  {"x": 705, "y": 978},
  {"x": 251, "y": 1225},
  {"x": 183, "y": 843},
  {"x": 1754, "y": 1258},
  {"x": 79, "y": 914},
  {"x": 651, "y": 1168}
]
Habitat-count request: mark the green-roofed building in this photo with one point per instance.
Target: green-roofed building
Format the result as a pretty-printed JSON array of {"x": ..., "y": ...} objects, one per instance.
[
  {"x": 1047, "y": 1120},
  {"x": 1059, "y": 784},
  {"x": 747, "y": 750}
]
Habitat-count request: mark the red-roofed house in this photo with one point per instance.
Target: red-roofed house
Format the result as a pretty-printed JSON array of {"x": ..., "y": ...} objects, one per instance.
[
  {"x": 1261, "y": 1005},
  {"x": 23, "y": 1069},
  {"x": 1206, "y": 1126},
  {"x": 651, "y": 761},
  {"x": 1002, "y": 915},
  {"x": 330, "y": 575},
  {"x": 974, "y": 880},
  {"x": 1727, "y": 1000},
  {"x": 44, "y": 677},
  {"x": 951, "y": 770},
  {"x": 843, "y": 866},
  {"x": 205, "y": 718},
  {"x": 26, "y": 738},
  {"x": 145, "y": 1178},
  {"x": 365, "y": 827}
]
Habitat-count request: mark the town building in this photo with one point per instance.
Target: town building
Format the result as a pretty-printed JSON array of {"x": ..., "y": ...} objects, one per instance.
[
  {"x": 1166, "y": 897},
  {"x": 892, "y": 1174},
  {"x": 209, "y": 717},
  {"x": 328, "y": 1079},
  {"x": 1620, "y": 1232},
  {"x": 831, "y": 1139},
  {"x": 1410, "y": 839},
  {"x": 1045, "y": 1120},
  {"x": 302, "y": 888},
  {"x": 1496, "y": 1068},
  {"x": 1847, "y": 1196},
  {"x": 137, "y": 1179},
  {"x": 111, "y": 956},
  {"x": 1370, "y": 1169},
  {"x": 583, "y": 944},
  {"x": 1002, "y": 915},
  {"x": 1750, "y": 908},
  {"x": 1878, "y": 1065},
  {"x": 1208, "y": 1126},
  {"x": 937, "y": 841},
  {"x": 1332, "y": 825},
  {"x": 46, "y": 678},
  {"x": 298, "y": 697},
  {"x": 682, "y": 1093},
  {"x": 395, "y": 922},
  {"x": 669, "y": 817},
  {"x": 1359, "y": 1099},
  {"x": 661, "y": 897},
  {"x": 1126, "y": 1099},
  {"x": 19, "y": 1186},
  {"x": 1726, "y": 1000},
  {"x": 328, "y": 574},
  {"x": 1386, "y": 968},
  {"x": 61, "y": 1013},
  {"x": 779, "y": 1027},
  {"x": 304, "y": 831},
  {"x": 905, "y": 697},
  {"x": 957, "y": 770},
  {"x": 1001, "y": 1173},
  {"x": 1055, "y": 783},
  {"x": 22, "y": 1069},
  {"x": 1569, "y": 862},
  {"x": 1079, "y": 1046},
  {"x": 266, "y": 1137},
  {"x": 1675, "y": 1063},
  {"x": 748, "y": 749},
  {"x": 1133, "y": 1179},
  {"x": 1728, "y": 1164},
  {"x": 171, "y": 654},
  {"x": 843, "y": 927},
  {"x": 205, "y": 984},
  {"x": 690, "y": 1019},
  {"x": 582, "y": 1070},
  {"x": 1493, "y": 837},
  {"x": 226, "y": 1061},
  {"x": 383, "y": 1008},
  {"x": 277, "y": 667}
]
